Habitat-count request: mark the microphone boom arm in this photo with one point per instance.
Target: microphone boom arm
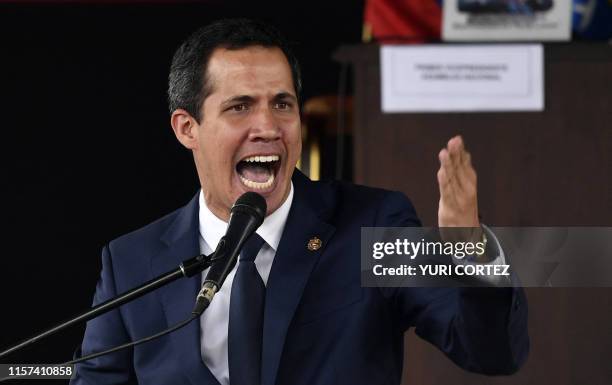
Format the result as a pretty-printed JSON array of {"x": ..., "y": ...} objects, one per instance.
[{"x": 187, "y": 268}]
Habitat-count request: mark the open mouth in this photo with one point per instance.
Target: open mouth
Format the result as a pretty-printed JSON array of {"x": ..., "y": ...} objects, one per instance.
[{"x": 258, "y": 172}]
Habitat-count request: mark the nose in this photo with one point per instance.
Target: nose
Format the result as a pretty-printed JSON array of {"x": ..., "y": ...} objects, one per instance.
[{"x": 265, "y": 127}]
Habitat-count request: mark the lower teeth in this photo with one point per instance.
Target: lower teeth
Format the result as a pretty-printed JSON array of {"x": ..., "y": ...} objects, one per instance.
[{"x": 257, "y": 185}]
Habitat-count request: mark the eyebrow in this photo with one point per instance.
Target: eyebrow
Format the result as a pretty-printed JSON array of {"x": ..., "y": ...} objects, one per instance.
[
  {"x": 285, "y": 95},
  {"x": 238, "y": 99},
  {"x": 250, "y": 99}
]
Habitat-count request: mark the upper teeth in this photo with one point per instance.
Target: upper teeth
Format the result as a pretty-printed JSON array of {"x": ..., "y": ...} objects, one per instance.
[{"x": 260, "y": 158}]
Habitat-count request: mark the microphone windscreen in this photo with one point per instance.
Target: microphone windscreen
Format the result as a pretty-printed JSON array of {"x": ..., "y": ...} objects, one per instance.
[{"x": 254, "y": 201}]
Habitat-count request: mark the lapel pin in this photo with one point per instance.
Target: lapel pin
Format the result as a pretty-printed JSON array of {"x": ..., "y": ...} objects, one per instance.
[{"x": 314, "y": 244}]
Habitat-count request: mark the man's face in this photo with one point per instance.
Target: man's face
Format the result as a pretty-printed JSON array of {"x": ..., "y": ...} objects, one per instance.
[{"x": 248, "y": 138}]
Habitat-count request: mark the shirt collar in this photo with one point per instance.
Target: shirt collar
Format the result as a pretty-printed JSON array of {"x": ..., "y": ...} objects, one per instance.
[{"x": 213, "y": 228}]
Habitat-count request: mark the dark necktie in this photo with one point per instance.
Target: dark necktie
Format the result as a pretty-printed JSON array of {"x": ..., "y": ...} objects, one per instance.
[{"x": 245, "y": 332}]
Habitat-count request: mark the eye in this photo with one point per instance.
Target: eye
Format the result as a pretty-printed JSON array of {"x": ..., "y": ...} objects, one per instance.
[
  {"x": 239, "y": 107},
  {"x": 282, "y": 105}
]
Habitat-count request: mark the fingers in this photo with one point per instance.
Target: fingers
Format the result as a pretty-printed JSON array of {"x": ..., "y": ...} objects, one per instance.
[
  {"x": 457, "y": 184},
  {"x": 456, "y": 149},
  {"x": 446, "y": 174},
  {"x": 463, "y": 175}
]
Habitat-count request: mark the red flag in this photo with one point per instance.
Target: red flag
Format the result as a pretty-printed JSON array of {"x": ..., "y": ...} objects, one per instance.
[{"x": 402, "y": 20}]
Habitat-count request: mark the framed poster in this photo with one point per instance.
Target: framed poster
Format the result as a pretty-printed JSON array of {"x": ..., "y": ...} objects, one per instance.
[{"x": 506, "y": 20}]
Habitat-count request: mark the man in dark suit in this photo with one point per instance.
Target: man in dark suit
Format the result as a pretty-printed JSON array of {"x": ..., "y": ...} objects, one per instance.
[{"x": 234, "y": 97}]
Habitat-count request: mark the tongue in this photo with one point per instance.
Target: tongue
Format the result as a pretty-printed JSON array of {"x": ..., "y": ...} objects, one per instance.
[{"x": 255, "y": 172}]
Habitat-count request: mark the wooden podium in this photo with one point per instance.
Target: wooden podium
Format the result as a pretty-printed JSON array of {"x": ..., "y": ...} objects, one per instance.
[{"x": 550, "y": 168}]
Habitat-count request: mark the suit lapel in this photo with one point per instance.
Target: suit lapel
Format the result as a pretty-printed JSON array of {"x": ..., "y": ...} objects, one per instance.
[
  {"x": 292, "y": 266},
  {"x": 177, "y": 298}
]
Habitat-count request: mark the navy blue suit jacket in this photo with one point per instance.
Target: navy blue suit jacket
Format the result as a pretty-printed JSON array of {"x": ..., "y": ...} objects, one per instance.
[{"x": 321, "y": 326}]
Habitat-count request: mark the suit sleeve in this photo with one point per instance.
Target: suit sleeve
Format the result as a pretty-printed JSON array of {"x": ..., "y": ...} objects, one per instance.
[
  {"x": 103, "y": 333},
  {"x": 483, "y": 330}
]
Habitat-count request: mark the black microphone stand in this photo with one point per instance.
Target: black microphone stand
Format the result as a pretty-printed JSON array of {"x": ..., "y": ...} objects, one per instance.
[{"x": 187, "y": 268}]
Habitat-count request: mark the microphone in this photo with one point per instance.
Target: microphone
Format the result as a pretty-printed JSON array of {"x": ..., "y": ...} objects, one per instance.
[{"x": 246, "y": 215}]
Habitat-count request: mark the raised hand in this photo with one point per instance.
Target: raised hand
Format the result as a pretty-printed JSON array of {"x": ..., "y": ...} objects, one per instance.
[{"x": 457, "y": 181}]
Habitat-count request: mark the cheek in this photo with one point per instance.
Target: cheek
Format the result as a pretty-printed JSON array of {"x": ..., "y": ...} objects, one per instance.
[
  {"x": 297, "y": 151},
  {"x": 299, "y": 144},
  {"x": 218, "y": 149},
  {"x": 294, "y": 141}
]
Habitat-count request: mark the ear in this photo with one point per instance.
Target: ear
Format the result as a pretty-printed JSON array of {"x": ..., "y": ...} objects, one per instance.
[{"x": 185, "y": 128}]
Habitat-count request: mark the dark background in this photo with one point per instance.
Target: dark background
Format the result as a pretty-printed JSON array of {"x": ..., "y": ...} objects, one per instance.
[
  {"x": 88, "y": 154},
  {"x": 87, "y": 149}
]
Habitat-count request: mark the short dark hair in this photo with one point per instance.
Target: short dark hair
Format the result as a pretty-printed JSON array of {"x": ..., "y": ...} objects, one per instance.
[{"x": 188, "y": 85}]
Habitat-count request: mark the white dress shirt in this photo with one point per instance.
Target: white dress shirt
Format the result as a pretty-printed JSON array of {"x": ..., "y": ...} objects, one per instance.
[{"x": 214, "y": 322}]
